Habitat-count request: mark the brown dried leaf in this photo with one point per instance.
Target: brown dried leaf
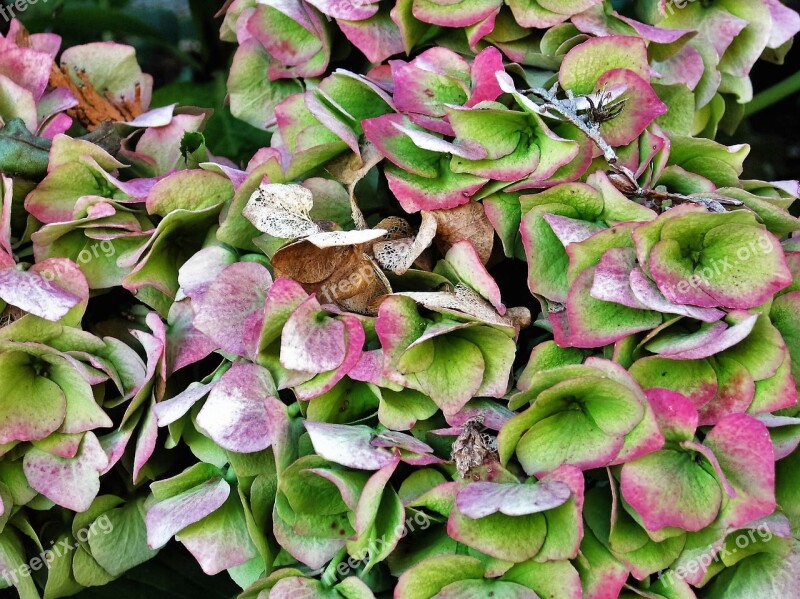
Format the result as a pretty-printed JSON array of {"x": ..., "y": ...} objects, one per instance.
[
  {"x": 462, "y": 301},
  {"x": 473, "y": 448},
  {"x": 367, "y": 301},
  {"x": 396, "y": 228},
  {"x": 397, "y": 253},
  {"x": 93, "y": 107},
  {"x": 10, "y": 314},
  {"x": 341, "y": 274},
  {"x": 22, "y": 37},
  {"x": 281, "y": 210},
  {"x": 350, "y": 169},
  {"x": 464, "y": 222}
]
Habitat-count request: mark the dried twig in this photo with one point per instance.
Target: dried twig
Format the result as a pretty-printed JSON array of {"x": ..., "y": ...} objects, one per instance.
[
  {"x": 568, "y": 111},
  {"x": 623, "y": 178},
  {"x": 627, "y": 184}
]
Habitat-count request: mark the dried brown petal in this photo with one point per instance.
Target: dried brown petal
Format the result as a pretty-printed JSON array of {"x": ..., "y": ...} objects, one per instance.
[
  {"x": 398, "y": 254},
  {"x": 473, "y": 448},
  {"x": 464, "y": 222},
  {"x": 462, "y": 301},
  {"x": 281, "y": 210},
  {"x": 350, "y": 169},
  {"x": 341, "y": 275},
  {"x": 10, "y": 314}
]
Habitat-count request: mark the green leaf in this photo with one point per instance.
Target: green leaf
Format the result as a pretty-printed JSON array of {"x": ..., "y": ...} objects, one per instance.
[
  {"x": 60, "y": 581},
  {"x": 428, "y": 577},
  {"x": 23, "y": 154},
  {"x": 253, "y": 96},
  {"x": 119, "y": 541}
]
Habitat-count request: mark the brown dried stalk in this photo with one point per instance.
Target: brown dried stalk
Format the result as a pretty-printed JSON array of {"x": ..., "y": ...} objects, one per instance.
[{"x": 95, "y": 108}]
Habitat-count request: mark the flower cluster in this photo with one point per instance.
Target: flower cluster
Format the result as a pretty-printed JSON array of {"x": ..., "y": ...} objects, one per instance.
[{"x": 495, "y": 317}]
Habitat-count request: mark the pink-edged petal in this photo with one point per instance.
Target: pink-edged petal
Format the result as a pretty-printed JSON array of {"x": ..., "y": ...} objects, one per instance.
[
  {"x": 145, "y": 442},
  {"x": 71, "y": 483},
  {"x": 642, "y": 106},
  {"x": 712, "y": 459},
  {"x": 659, "y": 35},
  {"x": 533, "y": 15},
  {"x": 166, "y": 518},
  {"x": 735, "y": 393},
  {"x": 482, "y": 72},
  {"x": 717, "y": 338},
  {"x": 594, "y": 323},
  {"x": 36, "y": 293},
  {"x": 683, "y": 68},
  {"x": 170, "y": 410},
  {"x": 744, "y": 450},
  {"x": 231, "y": 311},
  {"x": 242, "y": 412},
  {"x": 348, "y": 11},
  {"x": 26, "y": 67},
  {"x": 585, "y": 64},
  {"x": 222, "y": 540},
  {"x": 612, "y": 278},
  {"x": 570, "y": 230},
  {"x": 401, "y": 441},
  {"x": 312, "y": 341},
  {"x": 676, "y": 415},
  {"x": 378, "y": 37},
  {"x": 461, "y": 13},
  {"x": 348, "y": 445},
  {"x": 448, "y": 191},
  {"x": 695, "y": 379},
  {"x": 647, "y": 293},
  {"x": 667, "y": 488},
  {"x": 482, "y": 28},
  {"x": 480, "y": 499},
  {"x": 185, "y": 344},
  {"x": 158, "y": 117},
  {"x": 785, "y": 23},
  {"x": 465, "y": 260},
  {"x": 325, "y": 381},
  {"x": 110, "y": 67},
  {"x": 386, "y": 132}
]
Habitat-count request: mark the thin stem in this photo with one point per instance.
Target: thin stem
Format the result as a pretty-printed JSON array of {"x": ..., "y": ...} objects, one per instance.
[
  {"x": 328, "y": 577},
  {"x": 774, "y": 94},
  {"x": 715, "y": 204}
]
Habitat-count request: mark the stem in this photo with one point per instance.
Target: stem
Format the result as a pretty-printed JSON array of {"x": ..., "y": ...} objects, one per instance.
[
  {"x": 774, "y": 94},
  {"x": 328, "y": 577}
]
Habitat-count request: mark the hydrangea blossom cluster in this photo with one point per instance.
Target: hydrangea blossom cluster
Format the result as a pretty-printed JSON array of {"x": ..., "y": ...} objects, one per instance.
[{"x": 492, "y": 316}]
